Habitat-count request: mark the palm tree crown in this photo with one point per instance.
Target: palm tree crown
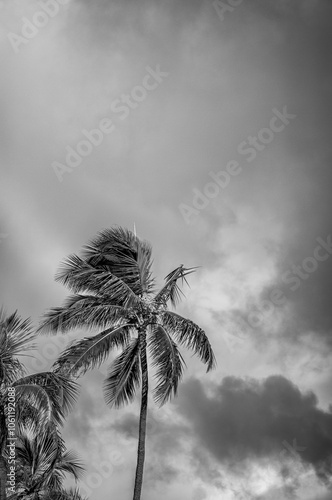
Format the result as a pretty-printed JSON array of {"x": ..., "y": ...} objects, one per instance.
[{"x": 114, "y": 291}]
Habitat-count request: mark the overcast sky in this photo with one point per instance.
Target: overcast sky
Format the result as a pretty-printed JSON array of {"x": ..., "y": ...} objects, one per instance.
[{"x": 214, "y": 139}]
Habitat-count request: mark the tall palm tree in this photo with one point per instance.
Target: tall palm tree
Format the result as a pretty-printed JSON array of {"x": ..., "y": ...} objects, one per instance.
[
  {"x": 39, "y": 399},
  {"x": 113, "y": 290}
]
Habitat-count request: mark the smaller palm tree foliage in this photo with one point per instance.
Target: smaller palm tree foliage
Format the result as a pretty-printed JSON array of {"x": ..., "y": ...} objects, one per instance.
[
  {"x": 42, "y": 464},
  {"x": 113, "y": 292},
  {"x": 40, "y": 399}
]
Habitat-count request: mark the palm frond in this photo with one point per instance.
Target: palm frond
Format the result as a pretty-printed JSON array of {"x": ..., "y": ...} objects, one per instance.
[
  {"x": 39, "y": 451},
  {"x": 144, "y": 264},
  {"x": 25, "y": 451},
  {"x": 87, "y": 311},
  {"x": 36, "y": 398},
  {"x": 171, "y": 290},
  {"x": 191, "y": 336},
  {"x": 28, "y": 416},
  {"x": 124, "y": 255},
  {"x": 70, "y": 464},
  {"x": 91, "y": 352},
  {"x": 169, "y": 363},
  {"x": 10, "y": 370},
  {"x": 19, "y": 330},
  {"x": 124, "y": 378},
  {"x": 53, "y": 482},
  {"x": 82, "y": 277},
  {"x": 52, "y": 393},
  {"x": 16, "y": 338}
]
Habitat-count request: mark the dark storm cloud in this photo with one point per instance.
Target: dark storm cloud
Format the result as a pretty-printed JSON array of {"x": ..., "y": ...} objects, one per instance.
[
  {"x": 306, "y": 283},
  {"x": 248, "y": 418}
]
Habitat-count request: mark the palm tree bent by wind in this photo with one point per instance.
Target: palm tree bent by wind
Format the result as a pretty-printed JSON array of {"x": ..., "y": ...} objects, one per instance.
[{"x": 114, "y": 292}]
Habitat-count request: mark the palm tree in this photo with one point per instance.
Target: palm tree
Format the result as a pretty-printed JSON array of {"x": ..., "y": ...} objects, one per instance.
[
  {"x": 42, "y": 463},
  {"x": 113, "y": 290},
  {"x": 15, "y": 336},
  {"x": 39, "y": 399}
]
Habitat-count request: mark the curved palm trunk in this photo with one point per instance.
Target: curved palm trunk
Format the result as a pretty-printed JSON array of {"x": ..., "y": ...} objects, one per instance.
[{"x": 142, "y": 419}]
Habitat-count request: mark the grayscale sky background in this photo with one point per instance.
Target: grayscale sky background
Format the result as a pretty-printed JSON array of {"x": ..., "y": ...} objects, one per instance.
[{"x": 260, "y": 426}]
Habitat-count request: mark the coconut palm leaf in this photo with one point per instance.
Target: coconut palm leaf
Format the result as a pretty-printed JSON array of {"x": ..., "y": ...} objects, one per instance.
[
  {"x": 124, "y": 378},
  {"x": 67, "y": 462},
  {"x": 169, "y": 362},
  {"x": 125, "y": 256},
  {"x": 16, "y": 337},
  {"x": 34, "y": 403},
  {"x": 90, "y": 352},
  {"x": 82, "y": 277},
  {"x": 19, "y": 331},
  {"x": 171, "y": 290},
  {"x": 29, "y": 416},
  {"x": 37, "y": 453},
  {"x": 86, "y": 311},
  {"x": 70, "y": 464},
  {"x": 190, "y": 335},
  {"x": 60, "y": 392}
]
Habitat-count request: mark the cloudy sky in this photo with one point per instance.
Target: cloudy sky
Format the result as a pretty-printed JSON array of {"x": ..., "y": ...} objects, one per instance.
[{"x": 207, "y": 125}]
